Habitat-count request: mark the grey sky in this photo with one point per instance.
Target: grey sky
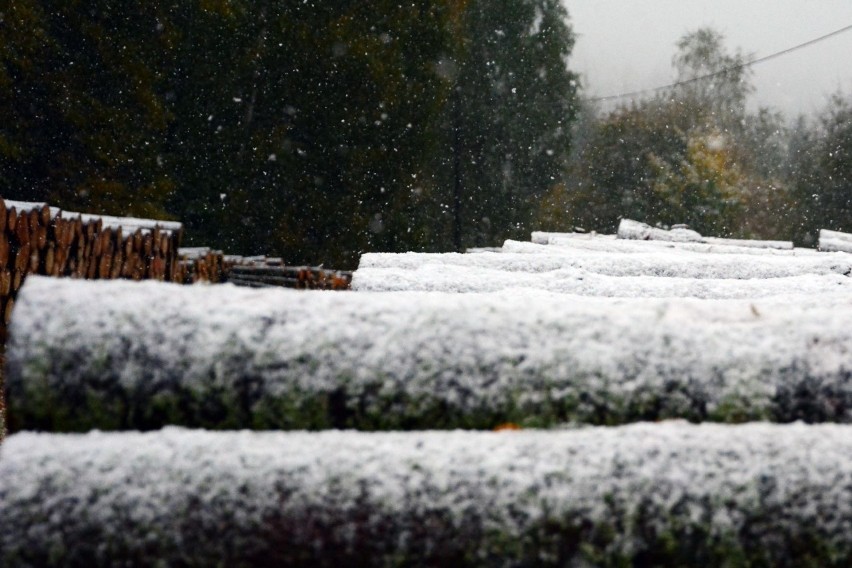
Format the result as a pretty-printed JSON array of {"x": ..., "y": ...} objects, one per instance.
[{"x": 626, "y": 45}]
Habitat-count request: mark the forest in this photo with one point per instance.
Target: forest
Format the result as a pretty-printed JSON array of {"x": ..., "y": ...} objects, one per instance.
[{"x": 319, "y": 131}]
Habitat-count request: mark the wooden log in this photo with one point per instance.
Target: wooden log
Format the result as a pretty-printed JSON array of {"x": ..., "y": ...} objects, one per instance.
[
  {"x": 115, "y": 265},
  {"x": 35, "y": 261},
  {"x": 22, "y": 257},
  {"x": 727, "y": 266},
  {"x": 50, "y": 259},
  {"x": 2, "y": 216},
  {"x": 4, "y": 249},
  {"x": 62, "y": 255},
  {"x": 155, "y": 240},
  {"x": 22, "y": 229},
  {"x": 97, "y": 243},
  {"x": 79, "y": 231},
  {"x": 17, "y": 280},
  {"x": 835, "y": 241},
  {"x": 262, "y": 279},
  {"x": 307, "y": 342},
  {"x": 7, "y": 311},
  {"x": 12, "y": 220},
  {"x": 5, "y": 282},
  {"x": 91, "y": 268},
  {"x": 104, "y": 266},
  {"x": 629, "y": 229},
  {"x": 45, "y": 215},
  {"x": 746, "y": 495},
  {"x": 34, "y": 221},
  {"x": 138, "y": 269}
]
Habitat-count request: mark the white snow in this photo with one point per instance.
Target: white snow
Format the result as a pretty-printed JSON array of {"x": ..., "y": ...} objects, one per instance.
[
  {"x": 29, "y": 206},
  {"x": 195, "y": 253},
  {"x": 834, "y": 241},
  {"x": 128, "y": 225},
  {"x": 558, "y": 356},
  {"x": 609, "y": 244},
  {"x": 583, "y": 329},
  {"x": 628, "y": 229},
  {"x": 544, "y": 258},
  {"x": 456, "y": 278},
  {"x": 233, "y": 497}
]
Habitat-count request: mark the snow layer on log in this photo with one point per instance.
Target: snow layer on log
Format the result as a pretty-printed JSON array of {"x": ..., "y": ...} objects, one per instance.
[
  {"x": 543, "y": 258},
  {"x": 628, "y": 229},
  {"x": 545, "y": 237},
  {"x": 834, "y": 241},
  {"x": 647, "y": 494},
  {"x": 128, "y": 225},
  {"x": 463, "y": 279},
  {"x": 30, "y": 206},
  {"x": 749, "y": 243},
  {"x": 196, "y": 253},
  {"x": 607, "y": 244},
  {"x": 143, "y": 355}
]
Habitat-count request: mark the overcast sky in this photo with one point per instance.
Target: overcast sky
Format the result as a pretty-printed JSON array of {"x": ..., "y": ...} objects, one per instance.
[{"x": 627, "y": 45}]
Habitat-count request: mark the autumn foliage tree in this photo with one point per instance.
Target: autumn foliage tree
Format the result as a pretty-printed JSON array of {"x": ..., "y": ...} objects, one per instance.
[{"x": 690, "y": 155}]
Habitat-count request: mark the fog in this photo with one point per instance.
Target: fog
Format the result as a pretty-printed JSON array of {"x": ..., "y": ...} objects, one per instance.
[{"x": 625, "y": 46}]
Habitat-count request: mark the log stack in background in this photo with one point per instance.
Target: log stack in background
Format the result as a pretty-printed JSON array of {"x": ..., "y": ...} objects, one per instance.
[
  {"x": 271, "y": 272},
  {"x": 38, "y": 239},
  {"x": 203, "y": 264}
]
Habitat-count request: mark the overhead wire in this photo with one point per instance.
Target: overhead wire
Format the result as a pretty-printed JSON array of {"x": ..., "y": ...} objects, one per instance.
[{"x": 721, "y": 71}]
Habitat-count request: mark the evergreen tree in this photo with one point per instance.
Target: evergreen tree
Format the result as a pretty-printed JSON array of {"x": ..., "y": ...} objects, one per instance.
[
  {"x": 309, "y": 130},
  {"x": 507, "y": 118},
  {"x": 821, "y": 158},
  {"x": 82, "y": 112},
  {"x": 304, "y": 125}
]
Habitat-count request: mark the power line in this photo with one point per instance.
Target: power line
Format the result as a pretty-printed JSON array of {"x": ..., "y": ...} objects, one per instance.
[{"x": 722, "y": 71}]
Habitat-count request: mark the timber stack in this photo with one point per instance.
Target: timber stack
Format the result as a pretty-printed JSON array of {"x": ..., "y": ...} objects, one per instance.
[
  {"x": 267, "y": 275},
  {"x": 203, "y": 264},
  {"x": 38, "y": 239}
]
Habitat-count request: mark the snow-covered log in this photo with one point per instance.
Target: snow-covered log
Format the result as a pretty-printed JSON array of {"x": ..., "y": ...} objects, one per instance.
[
  {"x": 609, "y": 244},
  {"x": 834, "y": 241},
  {"x": 629, "y": 229},
  {"x": 667, "y": 494},
  {"x": 464, "y": 279},
  {"x": 658, "y": 263},
  {"x": 128, "y": 225},
  {"x": 38, "y": 239},
  {"x": 545, "y": 237},
  {"x": 749, "y": 243},
  {"x": 143, "y": 355}
]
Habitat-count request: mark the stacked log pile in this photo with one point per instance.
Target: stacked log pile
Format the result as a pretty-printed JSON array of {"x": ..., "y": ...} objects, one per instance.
[
  {"x": 600, "y": 372},
  {"x": 201, "y": 264},
  {"x": 266, "y": 275},
  {"x": 38, "y": 239}
]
